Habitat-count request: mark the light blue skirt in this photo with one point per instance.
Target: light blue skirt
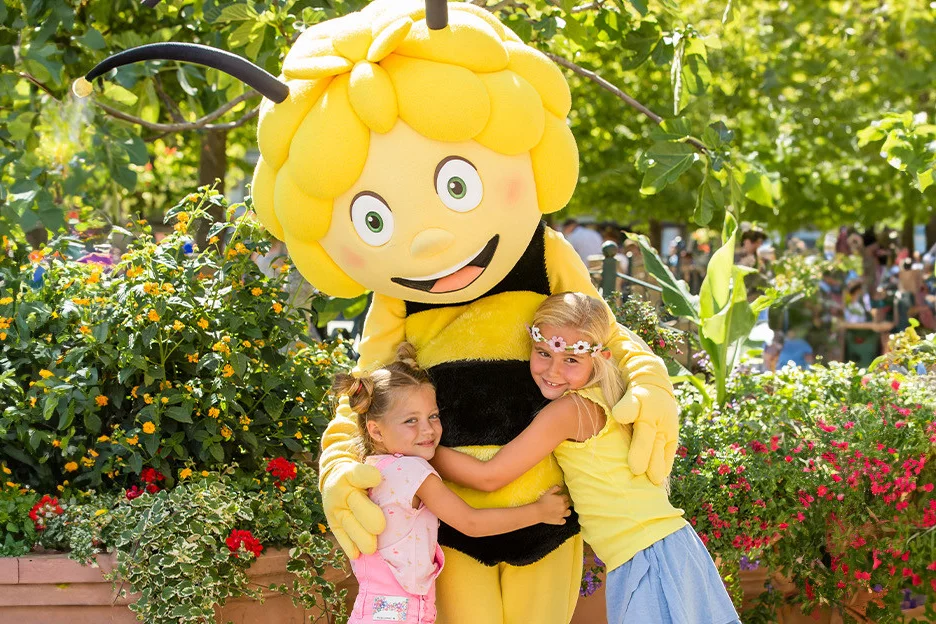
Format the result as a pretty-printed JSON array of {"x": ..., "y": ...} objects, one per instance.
[{"x": 671, "y": 582}]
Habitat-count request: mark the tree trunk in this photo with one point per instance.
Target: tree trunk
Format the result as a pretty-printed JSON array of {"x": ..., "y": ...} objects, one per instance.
[
  {"x": 931, "y": 231},
  {"x": 655, "y": 234},
  {"x": 906, "y": 237},
  {"x": 212, "y": 167}
]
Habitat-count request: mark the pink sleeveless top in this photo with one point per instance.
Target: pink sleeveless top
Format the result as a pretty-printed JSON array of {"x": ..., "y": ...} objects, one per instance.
[{"x": 408, "y": 545}]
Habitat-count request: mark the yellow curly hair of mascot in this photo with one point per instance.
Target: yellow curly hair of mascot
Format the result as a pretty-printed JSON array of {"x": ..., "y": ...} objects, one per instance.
[{"x": 474, "y": 80}]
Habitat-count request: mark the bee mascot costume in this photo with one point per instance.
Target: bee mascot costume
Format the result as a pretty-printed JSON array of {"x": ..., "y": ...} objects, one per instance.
[{"x": 416, "y": 160}]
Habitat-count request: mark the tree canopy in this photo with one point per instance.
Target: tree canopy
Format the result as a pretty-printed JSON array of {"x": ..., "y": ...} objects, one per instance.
[{"x": 789, "y": 114}]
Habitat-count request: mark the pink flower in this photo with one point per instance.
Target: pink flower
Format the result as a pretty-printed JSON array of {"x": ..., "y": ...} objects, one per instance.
[
  {"x": 557, "y": 344},
  {"x": 849, "y": 425},
  {"x": 895, "y": 384}
]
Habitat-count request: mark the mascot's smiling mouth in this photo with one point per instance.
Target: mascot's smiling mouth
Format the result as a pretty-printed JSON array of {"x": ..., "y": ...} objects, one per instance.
[{"x": 456, "y": 277}]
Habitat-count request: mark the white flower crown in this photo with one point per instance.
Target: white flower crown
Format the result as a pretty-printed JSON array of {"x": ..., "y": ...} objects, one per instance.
[{"x": 557, "y": 344}]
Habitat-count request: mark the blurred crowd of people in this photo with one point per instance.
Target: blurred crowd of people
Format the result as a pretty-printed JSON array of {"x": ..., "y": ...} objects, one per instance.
[{"x": 870, "y": 286}]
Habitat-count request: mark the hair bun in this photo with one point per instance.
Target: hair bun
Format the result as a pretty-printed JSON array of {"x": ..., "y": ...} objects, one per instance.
[{"x": 406, "y": 353}]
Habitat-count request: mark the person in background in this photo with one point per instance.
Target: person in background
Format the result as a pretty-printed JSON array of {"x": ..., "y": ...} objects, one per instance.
[
  {"x": 751, "y": 240},
  {"x": 585, "y": 241},
  {"x": 795, "y": 350}
]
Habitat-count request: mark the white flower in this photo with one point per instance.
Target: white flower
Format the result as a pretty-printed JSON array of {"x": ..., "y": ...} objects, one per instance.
[
  {"x": 535, "y": 334},
  {"x": 581, "y": 347}
]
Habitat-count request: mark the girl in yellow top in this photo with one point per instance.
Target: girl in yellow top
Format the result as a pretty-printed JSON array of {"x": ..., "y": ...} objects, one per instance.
[{"x": 658, "y": 569}]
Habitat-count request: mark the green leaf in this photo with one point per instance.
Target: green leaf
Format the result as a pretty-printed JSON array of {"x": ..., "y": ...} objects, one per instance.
[
  {"x": 92, "y": 40},
  {"x": 136, "y": 150},
  {"x": 711, "y": 200},
  {"x": 239, "y": 363},
  {"x": 716, "y": 287},
  {"x": 49, "y": 405},
  {"x": 217, "y": 452},
  {"x": 92, "y": 422},
  {"x": 674, "y": 129},
  {"x": 180, "y": 413},
  {"x": 136, "y": 463},
  {"x": 113, "y": 91},
  {"x": 640, "y": 6},
  {"x": 717, "y": 135},
  {"x": 238, "y": 12},
  {"x": 696, "y": 74},
  {"x": 664, "y": 163},
  {"x": 676, "y": 293}
]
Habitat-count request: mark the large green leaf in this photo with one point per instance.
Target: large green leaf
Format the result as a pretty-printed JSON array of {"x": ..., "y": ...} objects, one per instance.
[
  {"x": 676, "y": 295},
  {"x": 663, "y": 163}
]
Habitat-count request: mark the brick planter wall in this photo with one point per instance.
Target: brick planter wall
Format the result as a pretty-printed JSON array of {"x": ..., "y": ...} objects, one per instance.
[{"x": 53, "y": 589}]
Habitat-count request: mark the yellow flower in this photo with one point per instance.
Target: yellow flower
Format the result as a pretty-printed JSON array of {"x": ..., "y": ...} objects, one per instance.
[
  {"x": 226, "y": 431},
  {"x": 84, "y": 329},
  {"x": 94, "y": 278},
  {"x": 87, "y": 461},
  {"x": 192, "y": 357},
  {"x": 93, "y": 453},
  {"x": 153, "y": 315},
  {"x": 226, "y": 339},
  {"x": 133, "y": 441},
  {"x": 277, "y": 307},
  {"x": 322, "y": 528},
  {"x": 56, "y": 443},
  {"x": 103, "y": 438},
  {"x": 147, "y": 399},
  {"x": 6, "y": 300},
  {"x": 149, "y": 427},
  {"x": 80, "y": 301},
  {"x": 99, "y": 513},
  {"x": 2, "y": 335},
  {"x": 228, "y": 370},
  {"x": 245, "y": 420},
  {"x": 203, "y": 323},
  {"x": 246, "y": 344},
  {"x": 100, "y": 400},
  {"x": 178, "y": 325},
  {"x": 71, "y": 467},
  {"x": 134, "y": 272},
  {"x": 299, "y": 399},
  {"x": 169, "y": 288},
  {"x": 151, "y": 288},
  {"x": 221, "y": 347},
  {"x": 45, "y": 374},
  {"x": 185, "y": 473},
  {"x": 205, "y": 473},
  {"x": 133, "y": 392},
  {"x": 164, "y": 400},
  {"x": 54, "y": 314},
  {"x": 7, "y": 470},
  {"x": 213, "y": 240},
  {"x": 298, "y": 435},
  {"x": 256, "y": 291},
  {"x": 214, "y": 412}
]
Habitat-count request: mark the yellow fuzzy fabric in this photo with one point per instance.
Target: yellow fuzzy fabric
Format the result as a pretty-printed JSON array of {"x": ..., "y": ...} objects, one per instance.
[{"x": 526, "y": 489}]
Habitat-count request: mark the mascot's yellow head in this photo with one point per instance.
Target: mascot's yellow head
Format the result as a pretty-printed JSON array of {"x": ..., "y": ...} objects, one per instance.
[{"x": 413, "y": 162}]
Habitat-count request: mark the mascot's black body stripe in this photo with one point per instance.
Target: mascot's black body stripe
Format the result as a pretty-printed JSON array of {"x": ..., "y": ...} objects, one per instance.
[{"x": 488, "y": 403}]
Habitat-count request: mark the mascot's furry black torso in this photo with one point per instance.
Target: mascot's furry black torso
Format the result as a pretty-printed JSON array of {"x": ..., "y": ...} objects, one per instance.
[{"x": 489, "y": 403}]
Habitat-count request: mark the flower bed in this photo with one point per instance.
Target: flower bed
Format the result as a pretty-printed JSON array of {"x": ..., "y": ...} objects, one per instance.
[
  {"x": 825, "y": 476},
  {"x": 160, "y": 408}
]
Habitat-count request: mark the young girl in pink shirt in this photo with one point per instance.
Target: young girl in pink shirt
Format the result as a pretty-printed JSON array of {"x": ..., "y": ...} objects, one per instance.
[{"x": 400, "y": 430}]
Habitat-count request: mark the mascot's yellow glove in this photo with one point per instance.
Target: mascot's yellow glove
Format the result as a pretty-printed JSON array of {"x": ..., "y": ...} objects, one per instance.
[
  {"x": 650, "y": 406},
  {"x": 353, "y": 518}
]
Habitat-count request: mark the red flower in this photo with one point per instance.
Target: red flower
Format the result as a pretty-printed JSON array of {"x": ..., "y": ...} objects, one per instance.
[
  {"x": 134, "y": 492},
  {"x": 44, "y": 510},
  {"x": 895, "y": 385},
  {"x": 151, "y": 475},
  {"x": 282, "y": 469},
  {"x": 240, "y": 540}
]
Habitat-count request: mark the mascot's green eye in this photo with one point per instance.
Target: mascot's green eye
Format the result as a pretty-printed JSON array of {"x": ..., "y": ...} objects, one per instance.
[
  {"x": 371, "y": 218},
  {"x": 458, "y": 184},
  {"x": 374, "y": 222}
]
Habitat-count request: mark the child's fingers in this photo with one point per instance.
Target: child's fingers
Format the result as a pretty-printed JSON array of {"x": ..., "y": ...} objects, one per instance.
[{"x": 553, "y": 490}]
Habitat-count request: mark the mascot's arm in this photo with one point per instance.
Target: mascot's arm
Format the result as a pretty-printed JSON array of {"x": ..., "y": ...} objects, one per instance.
[
  {"x": 343, "y": 479},
  {"x": 649, "y": 402}
]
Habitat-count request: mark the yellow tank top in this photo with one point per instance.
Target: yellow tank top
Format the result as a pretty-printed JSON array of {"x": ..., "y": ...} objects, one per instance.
[{"x": 621, "y": 514}]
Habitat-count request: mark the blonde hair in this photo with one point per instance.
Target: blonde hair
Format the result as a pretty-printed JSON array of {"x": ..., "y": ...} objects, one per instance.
[
  {"x": 590, "y": 317},
  {"x": 373, "y": 394},
  {"x": 474, "y": 80}
]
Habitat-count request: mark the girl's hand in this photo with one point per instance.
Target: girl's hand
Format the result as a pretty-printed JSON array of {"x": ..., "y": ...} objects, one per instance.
[{"x": 554, "y": 506}]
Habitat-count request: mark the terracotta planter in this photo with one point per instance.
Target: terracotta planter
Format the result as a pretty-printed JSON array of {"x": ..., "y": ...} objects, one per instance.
[{"x": 52, "y": 589}]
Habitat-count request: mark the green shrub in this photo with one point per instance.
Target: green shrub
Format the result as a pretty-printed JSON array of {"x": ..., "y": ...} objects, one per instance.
[{"x": 172, "y": 359}]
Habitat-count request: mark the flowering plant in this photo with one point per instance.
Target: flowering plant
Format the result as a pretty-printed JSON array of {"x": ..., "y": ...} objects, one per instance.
[
  {"x": 825, "y": 475},
  {"x": 173, "y": 358},
  {"x": 187, "y": 549}
]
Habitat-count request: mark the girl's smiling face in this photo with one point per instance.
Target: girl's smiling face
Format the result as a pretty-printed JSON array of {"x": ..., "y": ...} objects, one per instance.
[
  {"x": 557, "y": 373},
  {"x": 411, "y": 427}
]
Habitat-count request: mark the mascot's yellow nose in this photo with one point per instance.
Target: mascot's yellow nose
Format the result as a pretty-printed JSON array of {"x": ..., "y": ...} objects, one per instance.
[{"x": 431, "y": 242}]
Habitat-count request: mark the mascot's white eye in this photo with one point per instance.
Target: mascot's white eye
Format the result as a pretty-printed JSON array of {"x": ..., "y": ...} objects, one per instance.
[
  {"x": 372, "y": 218},
  {"x": 458, "y": 184}
]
